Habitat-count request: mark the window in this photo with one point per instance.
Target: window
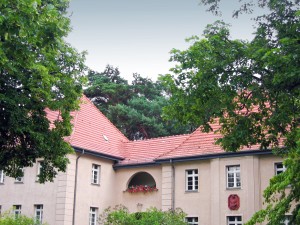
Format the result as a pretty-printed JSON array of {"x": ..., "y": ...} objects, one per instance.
[
  {"x": 38, "y": 213},
  {"x": 39, "y": 169},
  {"x": 20, "y": 179},
  {"x": 192, "y": 220},
  {"x": 17, "y": 210},
  {"x": 233, "y": 177},
  {"x": 1, "y": 177},
  {"x": 191, "y": 180},
  {"x": 95, "y": 174},
  {"x": 286, "y": 220},
  {"x": 93, "y": 216},
  {"x": 234, "y": 220},
  {"x": 279, "y": 168}
]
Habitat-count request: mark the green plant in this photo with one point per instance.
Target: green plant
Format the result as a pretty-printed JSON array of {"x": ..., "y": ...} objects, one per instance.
[
  {"x": 9, "y": 218},
  {"x": 120, "y": 215}
]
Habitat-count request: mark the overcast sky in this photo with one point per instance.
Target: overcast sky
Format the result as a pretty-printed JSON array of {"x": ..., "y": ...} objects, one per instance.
[{"x": 137, "y": 35}]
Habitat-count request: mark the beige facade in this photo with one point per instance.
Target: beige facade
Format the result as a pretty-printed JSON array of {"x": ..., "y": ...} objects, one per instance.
[{"x": 209, "y": 203}]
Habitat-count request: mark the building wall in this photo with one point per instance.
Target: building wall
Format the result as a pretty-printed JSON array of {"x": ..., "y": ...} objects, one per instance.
[
  {"x": 30, "y": 192},
  {"x": 209, "y": 203},
  {"x": 138, "y": 201},
  {"x": 93, "y": 195}
]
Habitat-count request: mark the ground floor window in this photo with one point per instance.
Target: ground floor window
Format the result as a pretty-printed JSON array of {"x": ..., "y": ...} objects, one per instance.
[
  {"x": 38, "y": 213},
  {"x": 93, "y": 216},
  {"x": 192, "y": 220},
  {"x": 17, "y": 210},
  {"x": 234, "y": 220}
]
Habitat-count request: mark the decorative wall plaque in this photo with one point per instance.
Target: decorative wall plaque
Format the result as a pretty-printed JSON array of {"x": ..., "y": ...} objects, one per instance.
[{"x": 233, "y": 202}]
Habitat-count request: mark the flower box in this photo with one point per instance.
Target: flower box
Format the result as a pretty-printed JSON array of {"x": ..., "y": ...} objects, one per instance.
[{"x": 141, "y": 188}]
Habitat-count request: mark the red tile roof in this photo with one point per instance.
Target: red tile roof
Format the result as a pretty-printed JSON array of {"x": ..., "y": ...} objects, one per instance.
[
  {"x": 93, "y": 131},
  {"x": 200, "y": 143},
  {"x": 147, "y": 150}
]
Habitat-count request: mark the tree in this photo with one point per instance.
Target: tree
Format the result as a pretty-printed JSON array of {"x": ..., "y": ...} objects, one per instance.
[
  {"x": 135, "y": 109},
  {"x": 107, "y": 88},
  {"x": 38, "y": 70},
  {"x": 253, "y": 90},
  {"x": 121, "y": 216}
]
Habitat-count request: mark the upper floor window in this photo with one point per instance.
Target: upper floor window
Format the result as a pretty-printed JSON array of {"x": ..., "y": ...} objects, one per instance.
[
  {"x": 192, "y": 220},
  {"x": 39, "y": 169},
  {"x": 1, "y": 176},
  {"x": 93, "y": 216},
  {"x": 279, "y": 168},
  {"x": 286, "y": 220},
  {"x": 95, "y": 174},
  {"x": 17, "y": 210},
  {"x": 191, "y": 180},
  {"x": 233, "y": 176},
  {"x": 20, "y": 179},
  {"x": 234, "y": 220},
  {"x": 38, "y": 214}
]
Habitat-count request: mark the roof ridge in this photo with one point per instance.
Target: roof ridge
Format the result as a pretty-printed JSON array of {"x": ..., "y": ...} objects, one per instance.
[
  {"x": 166, "y": 153},
  {"x": 193, "y": 133},
  {"x": 93, "y": 105}
]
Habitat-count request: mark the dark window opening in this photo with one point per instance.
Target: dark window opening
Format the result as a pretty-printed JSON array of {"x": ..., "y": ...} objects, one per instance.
[{"x": 142, "y": 178}]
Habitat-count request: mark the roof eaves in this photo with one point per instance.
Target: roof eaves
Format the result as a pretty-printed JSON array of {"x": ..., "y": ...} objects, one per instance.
[
  {"x": 135, "y": 165},
  {"x": 213, "y": 156},
  {"x": 97, "y": 154}
]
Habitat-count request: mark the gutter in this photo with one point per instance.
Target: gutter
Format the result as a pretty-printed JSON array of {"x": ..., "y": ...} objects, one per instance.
[
  {"x": 214, "y": 156},
  {"x": 75, "y": 185},
  {"x": 97, "y": 154},
  {"x": 173, "y": 185},
  {"x": 135, "y": 165}
]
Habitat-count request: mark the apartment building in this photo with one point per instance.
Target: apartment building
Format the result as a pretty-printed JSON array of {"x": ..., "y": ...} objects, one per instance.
[{"x": 186, "y": 171}]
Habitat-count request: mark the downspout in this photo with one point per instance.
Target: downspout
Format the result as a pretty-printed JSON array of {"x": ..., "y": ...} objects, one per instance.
[
  {"x": 75, "y": 186},
  {"x": 173, "y": 185}
]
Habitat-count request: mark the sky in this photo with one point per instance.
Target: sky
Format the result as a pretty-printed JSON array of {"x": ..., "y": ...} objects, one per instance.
[{"x": 137, "y": 35}]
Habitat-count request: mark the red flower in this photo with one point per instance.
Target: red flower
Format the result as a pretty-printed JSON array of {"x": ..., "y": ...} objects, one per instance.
[{"x": 141, "y": 188}]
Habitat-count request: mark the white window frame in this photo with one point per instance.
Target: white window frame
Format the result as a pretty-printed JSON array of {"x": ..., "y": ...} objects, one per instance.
[
  {"x": 2, "y": 177},
  {"x": 17, "y": 210},
  {"x": 236, "y": 172},
  {"x": 286, "y": 220},
  {"x": 93, "y": 216},
  {"x": 279, "y": 170},
  {"x": 238, "y": 220},
  {"x": 192, "y": 177},
  {"x": 95, "y": 179},
  {"x": 39, "y": 168},
  {"x": 192, "y": 220},
  {"x": 20, "y": 179},
  {"x": 38, "y": 213}
]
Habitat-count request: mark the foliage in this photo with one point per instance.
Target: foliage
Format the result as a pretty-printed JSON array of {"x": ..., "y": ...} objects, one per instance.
[
  {"x": 38, "y": 70},
  {"x": 121, "y": 216},
  {"x": 141, "y": 188},
  {"x": 135, "y": 109},
  {"x": 252, "y": 89},
  {"x": 9, "y": 218}
]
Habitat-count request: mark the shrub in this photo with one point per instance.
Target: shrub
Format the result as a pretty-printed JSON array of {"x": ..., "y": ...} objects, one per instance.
[
  {"x": 9, "y": 218},
  {"x": 120, "y": 215}
]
